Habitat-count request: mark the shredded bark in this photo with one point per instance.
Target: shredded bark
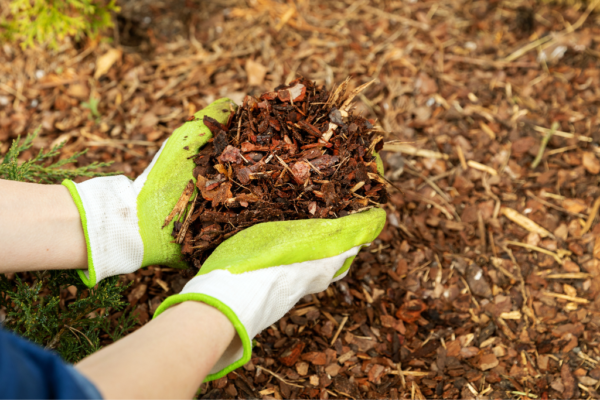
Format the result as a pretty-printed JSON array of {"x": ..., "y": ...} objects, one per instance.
[{"x": 293, "y": 153}]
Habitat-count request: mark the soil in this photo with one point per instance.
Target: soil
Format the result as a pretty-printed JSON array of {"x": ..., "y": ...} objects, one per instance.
[{"x": 297, "y": 152}]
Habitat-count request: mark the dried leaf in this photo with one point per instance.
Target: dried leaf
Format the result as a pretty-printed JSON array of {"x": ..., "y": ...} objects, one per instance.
[
  {"x": 590, "y": 162},
  {"x": 256, "y": 72},
  {"x": 574, "y": 205},
  {"x": 105, "y": 61}
]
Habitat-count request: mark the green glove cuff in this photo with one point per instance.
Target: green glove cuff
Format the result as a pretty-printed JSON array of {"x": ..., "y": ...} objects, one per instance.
[{"x": 91, "y": 281}]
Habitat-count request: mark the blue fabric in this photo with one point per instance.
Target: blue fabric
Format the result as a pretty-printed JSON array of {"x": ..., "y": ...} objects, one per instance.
[{"x": 27, "y": 371}]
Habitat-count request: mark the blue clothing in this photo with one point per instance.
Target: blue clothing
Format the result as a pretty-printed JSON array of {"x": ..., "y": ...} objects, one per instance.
[{"x": 27, "y": 371}]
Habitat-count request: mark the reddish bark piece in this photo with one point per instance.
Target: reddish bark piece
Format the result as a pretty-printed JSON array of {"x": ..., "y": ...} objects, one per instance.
[
  {"x": 220, "y": 383},
  {"x": 231, "y": 154},
  {"x": 363, "y": 345},
  {"x": 141, "y": 314},
  {"x": 468, "y": 352},
  {"x": 523, "y": 145},
  {"x": 310, "y": 128},
  {"x": 333, "y": 369},
  {"x": 201, "y": 185},
  {"x": 231, "y": 390},
  {"x": 137, "y": 293},
  {"x": 301, "y": 171},
  {"x": 292, "y": 354},
  {"x": 376, "y": 373},
  {"x": 574, "y": 329},
  {"x": 477, "y": 281},
  {"x": 220, "y": 142},
  {"x": 325, "y": 161},
  {"x": 295, "y": 93},
  {"x": 595, "y": 373},
  {"x": 574, "y": 205},
  {"x": 315, "y": 358},
  {"x": 329, "y": 193},
  {"x": 590, "y": 162},
  {"x": 453, "y": 348},
  {"x": 212, "y": 184},
  {"x": 558, "y": 385},
  {"x": 247, "y": 147},
  {"x": 274, "y": 123},
  {"x": 411, "y": 311},
  {"x": 249, "y": 198},
  {"x": 570, "y": 266},
  {"x": 244, "y": 175},
  {"x": 568, "y": 381},
  {"x": 312, "y": 207},
  {"x": 312, "y": 153},
  {"x": 213, "y": 125},
  {"x": 222, "y": 194},
  {"x": 284, "y": 95},
  {"x": 390, "y": 322},
  {"x": 268, "y": 96},
  {"x": 487, "y": 361}
]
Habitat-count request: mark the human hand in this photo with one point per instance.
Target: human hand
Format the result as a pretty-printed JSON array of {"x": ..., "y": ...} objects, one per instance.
[
  {"x": 260, "y": 273},
  {"x": 122, "y": 219}
]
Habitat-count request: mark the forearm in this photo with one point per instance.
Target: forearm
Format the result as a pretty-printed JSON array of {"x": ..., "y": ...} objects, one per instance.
[
  {"x": 41, "y": 228},
  {"x": 167, "y": 358}
]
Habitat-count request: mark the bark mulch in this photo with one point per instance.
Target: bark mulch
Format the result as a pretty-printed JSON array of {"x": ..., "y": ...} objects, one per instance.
[
  {"x": 485, "y": 280},
  {"x": 294, "y": 153}
]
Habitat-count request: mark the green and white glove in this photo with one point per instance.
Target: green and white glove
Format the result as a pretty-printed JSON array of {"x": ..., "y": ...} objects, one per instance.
[
  {"x": 122, "y": 219},
  {"x": 260, "y": 273}
]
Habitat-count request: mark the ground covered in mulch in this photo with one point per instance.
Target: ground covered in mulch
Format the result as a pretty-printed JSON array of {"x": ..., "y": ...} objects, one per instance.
[{"x": 484, "y": 281}]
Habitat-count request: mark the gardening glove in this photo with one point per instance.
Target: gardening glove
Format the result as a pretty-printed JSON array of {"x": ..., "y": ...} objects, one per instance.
[
  {"x": 259, "y": 274},
  {"x": 122, "y": 219}
]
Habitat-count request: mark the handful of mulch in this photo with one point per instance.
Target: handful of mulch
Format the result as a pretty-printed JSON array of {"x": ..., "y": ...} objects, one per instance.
[{"x": 294, "y": 153}]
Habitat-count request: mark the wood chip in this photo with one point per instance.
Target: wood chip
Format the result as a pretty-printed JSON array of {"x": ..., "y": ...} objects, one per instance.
[
  {"x": 524, "y": 222},
  {"x": 181, "y": 203}
]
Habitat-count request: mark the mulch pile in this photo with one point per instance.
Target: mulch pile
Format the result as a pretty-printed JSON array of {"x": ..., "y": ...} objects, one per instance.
[
  {"x": 485, "y": 281},
  {"x": 294, "y": 153}
]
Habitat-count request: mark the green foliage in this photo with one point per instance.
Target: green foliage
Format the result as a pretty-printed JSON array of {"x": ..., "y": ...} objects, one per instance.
[
  {"x": 92, "y": 105},
  {"x": 36, "y": 170},
  {"x": 38, "y": 312},
  {"x": 38, "y": 305},
  {"x": 49, "y": 21}
]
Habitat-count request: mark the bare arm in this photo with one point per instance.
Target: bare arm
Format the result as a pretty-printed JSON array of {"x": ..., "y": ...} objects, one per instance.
[
  {"x": 167, "y": 358},
  {"x": 40, "y": 228}
]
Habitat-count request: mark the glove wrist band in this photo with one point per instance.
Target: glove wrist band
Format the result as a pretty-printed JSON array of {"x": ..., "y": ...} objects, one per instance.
[{"x": 107, "y": 207}]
